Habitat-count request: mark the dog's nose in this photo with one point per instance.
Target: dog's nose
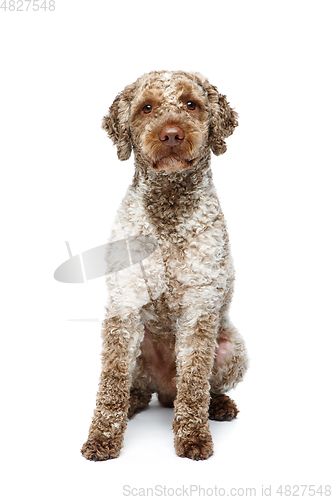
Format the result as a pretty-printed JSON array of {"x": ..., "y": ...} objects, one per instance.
[{"x": 171, "y": 135}]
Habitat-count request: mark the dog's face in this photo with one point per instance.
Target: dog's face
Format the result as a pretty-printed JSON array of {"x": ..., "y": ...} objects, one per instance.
[{"x": 170, "y": 119}]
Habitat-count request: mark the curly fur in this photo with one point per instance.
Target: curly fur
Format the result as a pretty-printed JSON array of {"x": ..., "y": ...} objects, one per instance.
[{"x": 167, "y": 330}]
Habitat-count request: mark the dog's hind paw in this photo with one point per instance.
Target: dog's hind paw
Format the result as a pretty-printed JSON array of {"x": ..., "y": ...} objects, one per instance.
[
  {"x": 97, "y": 450},
  {"x": 222, "y": 408}
]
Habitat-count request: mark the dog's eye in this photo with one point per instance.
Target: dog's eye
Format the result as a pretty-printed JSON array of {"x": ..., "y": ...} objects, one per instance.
[
  {"x": 147, "y": 109},
  {"x": 191, "y": 105}
]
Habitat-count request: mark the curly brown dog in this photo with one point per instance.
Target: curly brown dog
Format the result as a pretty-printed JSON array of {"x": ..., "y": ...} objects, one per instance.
[{"x": 167, "y": 329}]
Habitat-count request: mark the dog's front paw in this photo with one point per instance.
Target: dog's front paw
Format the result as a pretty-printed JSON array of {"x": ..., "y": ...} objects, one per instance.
[
  {"x": 196, "y": 448},
  {"x": 98, "y": 450}
]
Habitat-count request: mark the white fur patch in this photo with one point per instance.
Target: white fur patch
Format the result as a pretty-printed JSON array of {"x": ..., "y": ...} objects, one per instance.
[{"x": 166, "y": 75}]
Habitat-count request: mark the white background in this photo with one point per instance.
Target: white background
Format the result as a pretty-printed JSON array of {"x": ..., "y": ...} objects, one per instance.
[{"x": 61, "y": 180}]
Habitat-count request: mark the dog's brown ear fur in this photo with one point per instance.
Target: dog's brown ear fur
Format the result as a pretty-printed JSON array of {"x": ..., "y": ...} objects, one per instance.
[
  {"x": 116, "y": 123},
  {"x": 223, "y": 118}
]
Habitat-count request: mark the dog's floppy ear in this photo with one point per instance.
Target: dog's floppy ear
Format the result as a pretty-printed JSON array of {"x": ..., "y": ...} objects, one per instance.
[
  {"x": 223, "y": 122},
  {"x": 223, "y": 118},
  {"x": 116, "y": 123}
]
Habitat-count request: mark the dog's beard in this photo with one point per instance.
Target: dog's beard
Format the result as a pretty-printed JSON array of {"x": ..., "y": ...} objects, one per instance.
[{"x": 171, "y": 163}]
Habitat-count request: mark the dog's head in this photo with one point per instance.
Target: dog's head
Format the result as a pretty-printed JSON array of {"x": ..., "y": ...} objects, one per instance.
[{"x": 170, "y": 119}]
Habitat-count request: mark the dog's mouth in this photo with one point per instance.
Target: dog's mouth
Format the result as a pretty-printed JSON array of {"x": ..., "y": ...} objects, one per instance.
[{"x": 172, "y": 162}]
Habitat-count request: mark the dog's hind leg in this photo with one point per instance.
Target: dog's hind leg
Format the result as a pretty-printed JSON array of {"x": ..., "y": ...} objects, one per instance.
[
  {"x": 230, "y": 365},
  {"x": 222, "y": 408},
  {"x": 141, "y": 390},
  {"x": 139, "y": 400}
]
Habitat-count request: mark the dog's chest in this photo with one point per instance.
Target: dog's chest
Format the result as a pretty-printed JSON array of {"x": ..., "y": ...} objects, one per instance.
[
  {"x": 186, "y": 274},
  {"x": 196, "y": 262},
  {"x": 190, "y": 255}
]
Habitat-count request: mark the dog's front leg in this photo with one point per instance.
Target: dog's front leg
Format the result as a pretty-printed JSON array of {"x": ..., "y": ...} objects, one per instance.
[
  {"x": 121, "y": 341},
  {"x": 195, "y": 346}
]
